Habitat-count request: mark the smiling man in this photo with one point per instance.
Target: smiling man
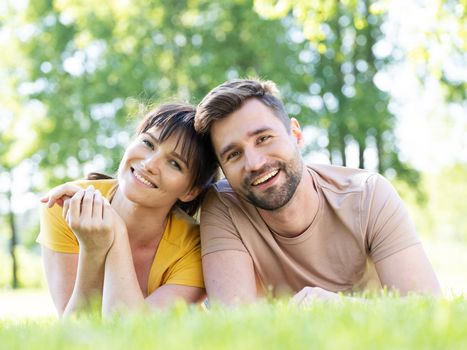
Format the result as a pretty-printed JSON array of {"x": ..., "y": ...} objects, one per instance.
[{"x": 280, "y": 226}]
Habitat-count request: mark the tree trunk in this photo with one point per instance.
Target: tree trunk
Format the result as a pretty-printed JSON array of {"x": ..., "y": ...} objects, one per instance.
[
  {"x": 342, "y": 149},
  {"x": 379, "y": 148},
  {"x": 330, "y": 147},
  {"x": 361, "y": 151},
  {"x": 13, "y": 239}
]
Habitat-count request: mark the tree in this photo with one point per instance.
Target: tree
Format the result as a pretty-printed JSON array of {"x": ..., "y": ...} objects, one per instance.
[
  {"x": 86, "y": 69},
  {"x": 18, "y": 130},
  {"x": 344, "y": 62},
  {"x": 94, "y": 62}
]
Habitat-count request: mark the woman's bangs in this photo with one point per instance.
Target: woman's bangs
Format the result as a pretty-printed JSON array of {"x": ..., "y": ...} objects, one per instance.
[{"x": 176, "y": 126}]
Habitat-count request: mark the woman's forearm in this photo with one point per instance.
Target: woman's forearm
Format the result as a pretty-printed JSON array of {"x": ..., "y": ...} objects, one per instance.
[
  {"x": 87, "y": 290},
  {"x": 121, "y": 286}
]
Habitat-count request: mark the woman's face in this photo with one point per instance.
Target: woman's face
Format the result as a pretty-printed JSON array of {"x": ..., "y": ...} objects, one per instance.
[{"x": 154, "y": 174}]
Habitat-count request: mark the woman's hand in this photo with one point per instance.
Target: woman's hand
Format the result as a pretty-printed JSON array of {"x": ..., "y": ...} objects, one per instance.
[
  {"x": 58, "y": 195},
  {"x": 92, "y": 219}
]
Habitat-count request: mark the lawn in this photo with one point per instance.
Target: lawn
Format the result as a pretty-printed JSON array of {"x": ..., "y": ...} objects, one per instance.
[{"x": 377, "y": 323}]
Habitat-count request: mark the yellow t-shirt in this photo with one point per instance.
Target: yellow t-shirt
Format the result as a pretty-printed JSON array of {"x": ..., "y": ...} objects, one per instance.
[{"x": 177, "y": 259}]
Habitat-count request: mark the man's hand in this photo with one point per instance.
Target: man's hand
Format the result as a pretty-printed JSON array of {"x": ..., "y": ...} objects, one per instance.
[{"x": 308, "y": 294}]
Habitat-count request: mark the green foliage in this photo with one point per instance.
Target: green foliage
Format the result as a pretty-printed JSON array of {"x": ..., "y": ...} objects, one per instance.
[
  {"x": 383, "y": 323},
  {"x": 30, "y": 273},
  {"x": 95, "y": 62},
  {"x": 75, "y": 74},
  {"x": 90, "y": 65},
  {"x": 443, "y": 213},
  {"x": 343, "y": 64}
]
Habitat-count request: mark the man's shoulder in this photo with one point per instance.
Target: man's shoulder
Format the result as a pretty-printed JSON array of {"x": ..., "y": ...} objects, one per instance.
[
  {"x": 341, "y": 179},
  {"x": 223, "y": 186},
  {"x": 222, "y": 192}
]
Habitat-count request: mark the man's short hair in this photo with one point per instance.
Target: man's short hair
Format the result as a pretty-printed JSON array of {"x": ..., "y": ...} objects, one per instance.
[{"x": 230, "y": 96}]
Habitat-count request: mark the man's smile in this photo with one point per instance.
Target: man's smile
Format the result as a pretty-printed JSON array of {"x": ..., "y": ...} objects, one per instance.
[{"x": 264, "y": 178}]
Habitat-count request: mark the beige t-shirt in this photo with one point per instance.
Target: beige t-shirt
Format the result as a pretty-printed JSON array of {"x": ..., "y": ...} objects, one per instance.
[{"x": 360, "y": 216}]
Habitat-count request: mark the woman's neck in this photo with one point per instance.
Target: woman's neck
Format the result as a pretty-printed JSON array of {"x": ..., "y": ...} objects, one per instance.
[{"x": 144, "y": 224}]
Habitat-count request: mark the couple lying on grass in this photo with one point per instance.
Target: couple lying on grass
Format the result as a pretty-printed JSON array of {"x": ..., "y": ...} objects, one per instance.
[{"x": 273, "y": 225}]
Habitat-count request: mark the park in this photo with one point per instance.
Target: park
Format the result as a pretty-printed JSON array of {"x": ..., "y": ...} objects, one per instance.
[{"x": 375, "y": 85}]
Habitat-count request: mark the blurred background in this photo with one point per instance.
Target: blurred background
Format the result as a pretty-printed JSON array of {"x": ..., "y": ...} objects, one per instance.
[{"x": 379, "y": 85}]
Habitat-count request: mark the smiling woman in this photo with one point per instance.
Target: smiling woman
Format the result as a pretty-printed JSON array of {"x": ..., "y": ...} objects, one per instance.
[{"x": 131, "y": 241}]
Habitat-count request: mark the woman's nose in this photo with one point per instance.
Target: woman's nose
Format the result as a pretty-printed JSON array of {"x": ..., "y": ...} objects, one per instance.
[{"x": 152, "y": 163}]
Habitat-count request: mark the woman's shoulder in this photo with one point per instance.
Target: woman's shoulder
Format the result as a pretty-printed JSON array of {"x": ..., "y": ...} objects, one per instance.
[
  {"x": 105, "y": 186},
  {"x": 182, "y": 229}
]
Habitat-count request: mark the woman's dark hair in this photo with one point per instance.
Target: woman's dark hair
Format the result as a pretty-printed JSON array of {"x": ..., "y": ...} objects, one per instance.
[{"x": 177, "y": 119}]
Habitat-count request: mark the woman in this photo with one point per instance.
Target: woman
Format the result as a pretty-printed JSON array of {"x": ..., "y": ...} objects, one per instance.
[{"x": 130, "y": 241}]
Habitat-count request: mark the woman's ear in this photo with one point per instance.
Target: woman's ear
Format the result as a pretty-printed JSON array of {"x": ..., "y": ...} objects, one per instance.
[
  {"x": 190, "y": 195},
  {"x": 296, "y": 132}
]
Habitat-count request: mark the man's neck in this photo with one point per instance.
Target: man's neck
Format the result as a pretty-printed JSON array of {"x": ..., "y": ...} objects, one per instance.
[{"x": 298, "y": 214}]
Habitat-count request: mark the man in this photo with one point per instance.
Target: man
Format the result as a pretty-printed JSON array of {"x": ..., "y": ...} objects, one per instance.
[{"x": 279, "y": 226}]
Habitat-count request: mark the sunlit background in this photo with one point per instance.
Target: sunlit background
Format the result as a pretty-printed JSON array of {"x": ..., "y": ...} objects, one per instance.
[{"x": 375, "y": 84}]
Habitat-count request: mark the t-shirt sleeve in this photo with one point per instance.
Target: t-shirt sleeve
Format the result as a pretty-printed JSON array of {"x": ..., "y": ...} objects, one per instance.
[
  {"x": 389, "y": 226},
  {"x": 188, "y": 270},
  {"x": 54, "y": 231},
  {"x": 218, "y": 231}
]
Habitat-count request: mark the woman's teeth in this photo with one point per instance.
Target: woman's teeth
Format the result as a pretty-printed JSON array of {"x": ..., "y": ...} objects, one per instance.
[{"x": 142, "y": 179}]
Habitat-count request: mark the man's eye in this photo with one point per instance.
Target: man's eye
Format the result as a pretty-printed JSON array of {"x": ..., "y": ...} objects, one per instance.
[
  {"x": 262, "y": 139},
  {"x": 233, "y": 155}
]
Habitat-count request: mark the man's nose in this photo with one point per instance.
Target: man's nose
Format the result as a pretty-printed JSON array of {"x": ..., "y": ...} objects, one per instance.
[{"x": 254, "y": 160}]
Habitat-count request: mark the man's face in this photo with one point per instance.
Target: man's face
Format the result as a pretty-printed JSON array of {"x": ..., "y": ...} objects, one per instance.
[{"x": 260, "y": 159}]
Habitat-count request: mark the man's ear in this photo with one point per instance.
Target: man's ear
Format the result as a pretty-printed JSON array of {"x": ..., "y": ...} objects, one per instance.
[
  {"x": 190, "y": 195},
  {"x": 296, "y": 132}
]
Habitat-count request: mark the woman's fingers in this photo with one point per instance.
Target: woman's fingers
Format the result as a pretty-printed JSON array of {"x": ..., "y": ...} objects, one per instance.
[
  {"x": 97, "y": 208},
  {"x": 85, "y": 204},
  {"x": 106, "y": 213},
  {"x": 59, "y": 194},
  {"x": 66, "y": 208},
  {"x": 88, "y": 202},
  {"x": 74, "y": 211}
]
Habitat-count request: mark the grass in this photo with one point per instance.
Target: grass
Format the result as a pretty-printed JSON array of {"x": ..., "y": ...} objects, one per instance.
[
  {"x": 378, "y": 323},
  {"x": 28, "y": 321}
]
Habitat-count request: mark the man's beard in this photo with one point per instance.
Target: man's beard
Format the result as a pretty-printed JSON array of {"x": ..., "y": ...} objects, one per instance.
[{"x": 276, "y": 196}]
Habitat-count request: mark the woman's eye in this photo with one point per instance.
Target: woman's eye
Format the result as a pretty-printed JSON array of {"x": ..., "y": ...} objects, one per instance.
[
  {"x": 175, "y": 164},
  {"x": 148, "y": 143}
]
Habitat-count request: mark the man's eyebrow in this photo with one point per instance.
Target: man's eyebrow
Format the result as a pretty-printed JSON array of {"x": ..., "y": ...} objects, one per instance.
[
  {"x": 173, "y": 153},
  {"x": 259, "y": 131},
  {"x": 226, "y": 149},
  {"x": 231, "y": 146}
]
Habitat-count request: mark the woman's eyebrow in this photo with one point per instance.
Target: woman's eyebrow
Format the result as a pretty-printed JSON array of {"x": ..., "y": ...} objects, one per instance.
[
  {"x": 179, "y": 157},
  {"x": 173, "y": 153},
  {"x": 156, "y": 140}
]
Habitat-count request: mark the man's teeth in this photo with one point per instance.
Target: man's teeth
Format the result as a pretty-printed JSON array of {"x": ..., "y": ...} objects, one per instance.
[
  {"x": 142, "y": 179},
  {"x": 265, "y": 178}
]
